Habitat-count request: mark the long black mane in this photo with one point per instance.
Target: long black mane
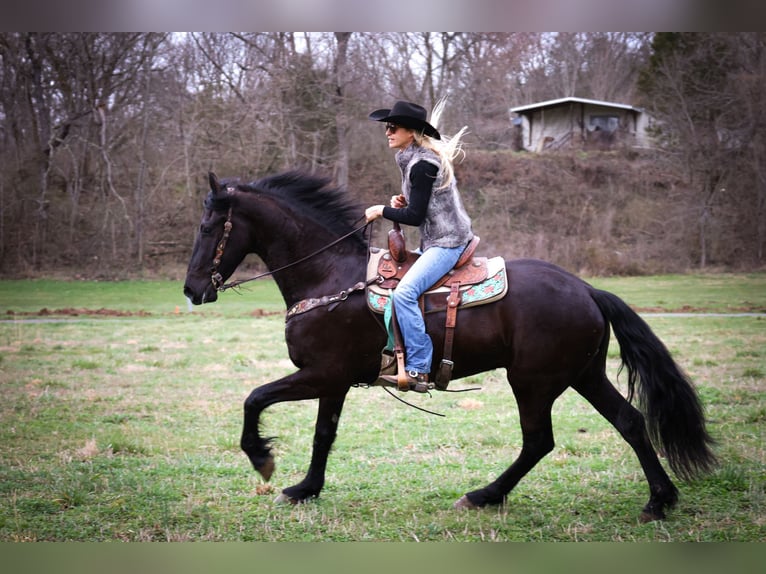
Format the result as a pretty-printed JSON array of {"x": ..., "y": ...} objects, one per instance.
[{"x": 313, "y": 196}]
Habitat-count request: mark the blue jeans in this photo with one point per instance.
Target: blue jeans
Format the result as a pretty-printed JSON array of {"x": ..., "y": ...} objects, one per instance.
[{"x": 427, "y": 270}]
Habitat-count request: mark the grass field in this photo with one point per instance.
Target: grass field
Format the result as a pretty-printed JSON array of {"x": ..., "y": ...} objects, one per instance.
[{"x": 123, "y": 409}]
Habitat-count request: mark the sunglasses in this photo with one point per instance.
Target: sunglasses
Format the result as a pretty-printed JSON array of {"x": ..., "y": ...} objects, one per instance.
[{"x": 391, "y": 128}]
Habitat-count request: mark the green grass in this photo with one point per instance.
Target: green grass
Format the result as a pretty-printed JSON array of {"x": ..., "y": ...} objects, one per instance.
[
  {"x": 719, "y": 293},
  {"x": 712, "y": 293},
  {"x": 136, "y": 297},
  {"x": 127, "y": 428}
]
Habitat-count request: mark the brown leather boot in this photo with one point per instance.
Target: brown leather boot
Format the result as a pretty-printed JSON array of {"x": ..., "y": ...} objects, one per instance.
[{"x": 415, "y": 381}]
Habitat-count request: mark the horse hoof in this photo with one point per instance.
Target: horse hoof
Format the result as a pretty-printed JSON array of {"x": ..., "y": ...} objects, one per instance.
[
  {"x": 645, "y": 517},
  {"x": 284, "y": 499},
  {"x": 463, "y": 502},
  {"x": 267, "y": 469}
]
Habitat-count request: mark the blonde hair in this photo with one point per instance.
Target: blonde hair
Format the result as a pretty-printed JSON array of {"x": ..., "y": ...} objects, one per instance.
[{"x": 447, "y": 148}]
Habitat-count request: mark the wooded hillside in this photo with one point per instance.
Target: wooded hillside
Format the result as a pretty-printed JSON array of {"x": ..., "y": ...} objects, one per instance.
[
  {"x": 598, "y": 213},
  {"x": 106, "y": 140}
]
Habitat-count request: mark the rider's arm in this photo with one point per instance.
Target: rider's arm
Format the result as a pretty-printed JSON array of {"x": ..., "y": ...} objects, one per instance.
[{"x": 422, "y": 177}]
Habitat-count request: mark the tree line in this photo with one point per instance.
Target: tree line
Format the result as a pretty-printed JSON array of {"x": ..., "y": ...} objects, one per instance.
[{"x": 106, "y": 138}]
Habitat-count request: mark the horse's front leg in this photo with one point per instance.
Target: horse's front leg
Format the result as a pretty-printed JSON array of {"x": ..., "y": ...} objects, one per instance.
[
  {"x": 325, "y": 432},
  {"x": 295, "y": 387}
]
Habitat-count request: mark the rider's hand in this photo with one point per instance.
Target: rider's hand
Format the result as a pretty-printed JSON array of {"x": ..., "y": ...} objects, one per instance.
[
  {"x": 373, "y": 212},
  {"x": 398, "y": 201}
]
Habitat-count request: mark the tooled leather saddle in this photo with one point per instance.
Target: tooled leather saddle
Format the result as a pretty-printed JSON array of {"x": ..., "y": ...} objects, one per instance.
[{"x": 473, "y": 281}]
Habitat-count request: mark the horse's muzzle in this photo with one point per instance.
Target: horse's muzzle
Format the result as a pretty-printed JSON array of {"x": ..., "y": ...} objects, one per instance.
[{"x": 207, "y": 294}]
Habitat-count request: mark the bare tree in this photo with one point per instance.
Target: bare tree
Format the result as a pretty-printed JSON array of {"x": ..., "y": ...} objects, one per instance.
[
  {"x": 340, "y": 70},
  {"x": 80, "y": 97},
  {"x": 692, "y": 87},
  {"x": 487, "y": 85},
  {"x": 612, "y": 63}
]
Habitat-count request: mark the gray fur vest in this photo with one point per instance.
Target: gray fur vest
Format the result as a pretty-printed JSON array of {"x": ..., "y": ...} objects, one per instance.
[{"x": 447, "y": 223}]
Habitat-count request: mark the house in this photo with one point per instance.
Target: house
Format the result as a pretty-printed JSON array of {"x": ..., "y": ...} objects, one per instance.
[{"x": 579, "y": 122}]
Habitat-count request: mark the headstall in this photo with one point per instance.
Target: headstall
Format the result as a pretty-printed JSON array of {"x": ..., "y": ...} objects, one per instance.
[{"x": 215, "y": 275}]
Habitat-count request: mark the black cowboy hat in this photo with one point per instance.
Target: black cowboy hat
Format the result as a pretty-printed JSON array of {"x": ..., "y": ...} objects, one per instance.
[{"x": 408, "y": 115}]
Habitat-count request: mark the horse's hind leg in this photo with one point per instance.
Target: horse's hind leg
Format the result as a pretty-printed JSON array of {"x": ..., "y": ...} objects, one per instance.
[
  {"x": 629, "y": 422},
  {"x": 537, "y": 437}
]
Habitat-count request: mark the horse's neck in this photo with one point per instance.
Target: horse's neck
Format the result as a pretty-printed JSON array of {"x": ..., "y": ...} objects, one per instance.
[
  {"x": 326, "y": 273},
  {"x": 302, "y": 267}
]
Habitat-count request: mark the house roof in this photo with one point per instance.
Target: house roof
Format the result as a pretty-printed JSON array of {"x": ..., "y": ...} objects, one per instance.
[{"x": 560, "y": 101}]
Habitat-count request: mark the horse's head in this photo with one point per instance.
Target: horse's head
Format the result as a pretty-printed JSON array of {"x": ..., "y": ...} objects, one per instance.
[
  {"x": 281, "y": 218},
  {"x": 218, "y": 248}
]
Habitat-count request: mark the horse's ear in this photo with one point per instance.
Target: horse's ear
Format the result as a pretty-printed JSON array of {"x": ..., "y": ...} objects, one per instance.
[{"x": 214, "y": 187}]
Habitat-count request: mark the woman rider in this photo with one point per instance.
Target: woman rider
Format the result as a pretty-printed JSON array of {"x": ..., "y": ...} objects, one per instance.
[{"x": 431, "y": 201}]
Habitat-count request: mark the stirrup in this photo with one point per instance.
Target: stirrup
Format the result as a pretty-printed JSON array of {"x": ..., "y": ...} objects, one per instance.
[{"x": 409, "y": 381}]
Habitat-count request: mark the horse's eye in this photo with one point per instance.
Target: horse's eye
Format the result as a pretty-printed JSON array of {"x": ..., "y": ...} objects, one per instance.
[{"x": 205, "y": 229}]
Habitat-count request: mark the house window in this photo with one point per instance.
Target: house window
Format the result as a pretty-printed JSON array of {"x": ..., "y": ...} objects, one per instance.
[{"x": 607, "y": 124}]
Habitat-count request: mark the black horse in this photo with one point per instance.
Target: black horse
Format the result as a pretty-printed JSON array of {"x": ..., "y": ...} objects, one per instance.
[{"x": 551, "y": 331}]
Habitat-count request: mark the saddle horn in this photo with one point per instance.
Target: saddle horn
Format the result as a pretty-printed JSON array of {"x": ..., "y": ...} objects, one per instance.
[{"x": 396, "y": 244}]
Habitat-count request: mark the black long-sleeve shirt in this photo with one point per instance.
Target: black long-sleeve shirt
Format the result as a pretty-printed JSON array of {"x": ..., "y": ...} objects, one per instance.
[{"x": 422, "y": 177}]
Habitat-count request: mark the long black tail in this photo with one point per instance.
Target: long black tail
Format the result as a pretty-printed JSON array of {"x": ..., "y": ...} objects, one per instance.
[{"x": 673, "y": 412}]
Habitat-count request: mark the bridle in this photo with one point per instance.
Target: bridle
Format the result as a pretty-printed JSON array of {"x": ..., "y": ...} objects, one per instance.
[
  {"x": 217, "y": 279},
  {"x": 215, "y": 275}
]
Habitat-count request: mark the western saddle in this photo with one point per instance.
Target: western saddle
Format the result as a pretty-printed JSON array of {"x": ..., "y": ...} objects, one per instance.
[{"x": 390, "y": 266}]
